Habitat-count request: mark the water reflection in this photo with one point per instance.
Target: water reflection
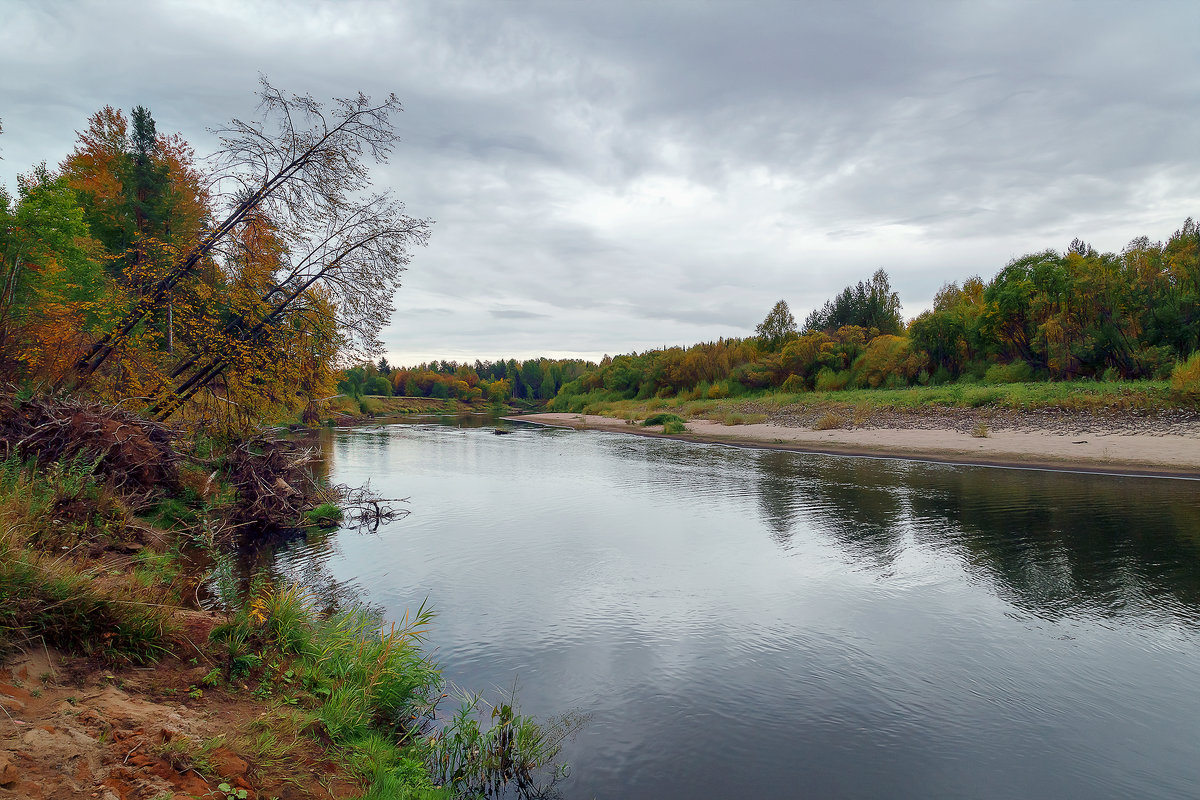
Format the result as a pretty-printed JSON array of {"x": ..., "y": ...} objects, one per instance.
[
  {"x": 1049, "y": 542},
  {"x": 778, "y": 624}
]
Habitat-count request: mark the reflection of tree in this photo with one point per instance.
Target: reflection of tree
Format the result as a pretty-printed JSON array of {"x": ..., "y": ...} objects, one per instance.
[
  {"x": 859, "y": 503},
  {"x": 779, "y": 495},
  {"x": 1056, "y": 542},
  {"x": 304, "y": 560},
  {"x": 1050, "y": 542}
]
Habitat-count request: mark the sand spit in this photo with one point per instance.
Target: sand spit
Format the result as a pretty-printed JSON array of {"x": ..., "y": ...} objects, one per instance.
[{"x": 1029, "y": 441}]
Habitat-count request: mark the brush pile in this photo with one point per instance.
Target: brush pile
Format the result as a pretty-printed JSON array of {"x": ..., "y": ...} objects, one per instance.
[
  {"x": 274, "y": 482},
  {"x": 129, "y": 453}
]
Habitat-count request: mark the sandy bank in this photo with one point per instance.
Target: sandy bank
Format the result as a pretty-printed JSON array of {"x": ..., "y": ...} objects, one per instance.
[{"x": 1105, "y": 451}]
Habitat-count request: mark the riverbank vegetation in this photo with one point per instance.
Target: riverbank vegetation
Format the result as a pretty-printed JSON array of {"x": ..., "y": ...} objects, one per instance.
[
  {"x": 115, "y": 528},
  {"x": 141, "y": 284},
  {"x": 1075, "y": 330},
  {"x": 530, "y": 382}
]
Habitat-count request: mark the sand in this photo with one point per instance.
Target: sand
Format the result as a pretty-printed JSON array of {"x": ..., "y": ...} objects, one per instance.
[{"x": 1104, "y": 448}]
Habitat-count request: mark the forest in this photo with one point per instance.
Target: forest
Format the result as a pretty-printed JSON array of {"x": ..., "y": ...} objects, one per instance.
[
  {"x": 1079, "y": 315},
  {"x": 534, "y": 380}
]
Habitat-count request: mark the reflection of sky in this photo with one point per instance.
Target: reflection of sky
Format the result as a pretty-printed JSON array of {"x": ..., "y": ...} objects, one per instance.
[{"x": 744, "y": 621}]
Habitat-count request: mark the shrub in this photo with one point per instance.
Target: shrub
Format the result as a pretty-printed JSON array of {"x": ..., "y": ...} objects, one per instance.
[
  {"x": 1013, "y": 372},
  {"x": 1185, "y": 380},
  {"x": 980, "y": 431},
  {"x": 793, "y": 384},
  {"x": 673, "y": 426},
  {"x": 887, "y": 360},
  {"x": 718, "y": 390},
  {"x": 828, "y": 421},
  {"x": 940, "y": 376},
  {"x": 662, "y": 418},
  {"x": 830, "y": 381},
  {"x": 378, "y": 385}
]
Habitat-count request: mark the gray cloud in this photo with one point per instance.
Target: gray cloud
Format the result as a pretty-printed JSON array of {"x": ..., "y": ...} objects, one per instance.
[{"x": 619, "y": 176}]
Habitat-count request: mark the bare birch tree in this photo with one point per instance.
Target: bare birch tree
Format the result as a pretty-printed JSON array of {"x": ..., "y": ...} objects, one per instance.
[{"x": 303, "y": 167}]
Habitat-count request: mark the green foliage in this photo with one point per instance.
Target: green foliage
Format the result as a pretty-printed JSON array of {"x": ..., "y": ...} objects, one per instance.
[
  {"x": 662, "y": 419},
  {"x": 1077, "y": 314},
  {"x": 793, "y": 383},
  {"x": 870, "y": 304},
  {"x": 674, "y": 426},
  {"x": 1185, "y": 381},
  {"x": 1014, "y": 372},
  {"x": 778, "y": 326},
  {"x": 486, "y": 747},
  {"x": 370, "y": 690},
  {"x": 44, "y": 596},
  {"x": 830, "y": 381},
  {"x": 378, "y": 385},
  {"x": 326, "y": 515}
]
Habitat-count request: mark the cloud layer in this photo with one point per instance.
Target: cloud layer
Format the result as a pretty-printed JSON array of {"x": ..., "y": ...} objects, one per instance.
[{"x": 618, "y": 176}]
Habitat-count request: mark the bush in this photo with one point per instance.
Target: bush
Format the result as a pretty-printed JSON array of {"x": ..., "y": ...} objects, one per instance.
[
  {"x": 794, "y": 384},
  {"x": 673, "y": 426},
  {"x": 830, "y": 381},
  {"x": 888, "y": 361},
  {"x": 1185, "y": 381},
  {"x": 718, "y": 390},
  {"x": 378, "y": 385},
  {"x": 828, "y": 421},
  {"x": 1013, "y": 372},
  {"x": 663, "y": 419}
]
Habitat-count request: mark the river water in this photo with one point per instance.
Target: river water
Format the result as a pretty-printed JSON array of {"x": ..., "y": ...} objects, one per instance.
[{"x": 755, "y": 623}]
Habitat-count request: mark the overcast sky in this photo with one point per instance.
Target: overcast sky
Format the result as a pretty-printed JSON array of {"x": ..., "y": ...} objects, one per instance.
[{"x": 615, "y": 176}]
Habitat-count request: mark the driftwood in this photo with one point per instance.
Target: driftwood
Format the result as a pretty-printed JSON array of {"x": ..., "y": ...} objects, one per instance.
[
  {"x": 276, "y": 485},
  {"x": 128, "y": 452}
]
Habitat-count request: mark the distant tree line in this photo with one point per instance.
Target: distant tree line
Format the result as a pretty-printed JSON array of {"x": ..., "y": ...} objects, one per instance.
[
  {"x": 535, "y": 379},
  {"x": 1078, "y": 314}
]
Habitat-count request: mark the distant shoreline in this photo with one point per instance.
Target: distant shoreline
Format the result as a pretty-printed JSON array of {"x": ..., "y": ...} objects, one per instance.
[{"x": 1106, "y": 452}]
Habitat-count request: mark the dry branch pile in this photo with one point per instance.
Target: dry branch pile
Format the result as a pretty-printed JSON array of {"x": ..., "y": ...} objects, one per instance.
[
  {"x": 276, "y": 485},
  {"x": 274, "y": 482},
  {"x": 130, "y": 453}
]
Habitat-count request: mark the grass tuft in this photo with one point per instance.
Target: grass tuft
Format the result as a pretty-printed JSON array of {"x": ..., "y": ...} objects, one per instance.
[
  {"x": 828, "y": 421},
  {"x": 1185, "y": 381}
]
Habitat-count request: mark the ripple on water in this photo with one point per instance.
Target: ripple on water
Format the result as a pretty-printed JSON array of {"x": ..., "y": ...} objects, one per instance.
[{"x": 763, "y": 623}]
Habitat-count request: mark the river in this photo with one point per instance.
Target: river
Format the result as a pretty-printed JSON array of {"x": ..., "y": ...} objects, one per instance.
[{"x": 756, "y": 623}]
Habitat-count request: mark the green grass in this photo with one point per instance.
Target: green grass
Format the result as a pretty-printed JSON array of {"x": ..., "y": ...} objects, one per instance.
[
  {"x": 1096, "y": 396},
  {"x": 662, "y": 418},
  {"x": 326, "y": 515},
  {"x": 371, "y": 693},
  {"x": 49, "y": 593}
]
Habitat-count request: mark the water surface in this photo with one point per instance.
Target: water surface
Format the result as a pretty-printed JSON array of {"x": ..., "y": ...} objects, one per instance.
[{"x": 761, "y": 623}]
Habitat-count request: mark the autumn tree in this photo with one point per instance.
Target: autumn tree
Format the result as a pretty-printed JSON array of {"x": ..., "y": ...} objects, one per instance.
[
  {"x": 777, "y": 328},
  {"x": 53, "y": 289},
  {"x": 301, "y": 167}
]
